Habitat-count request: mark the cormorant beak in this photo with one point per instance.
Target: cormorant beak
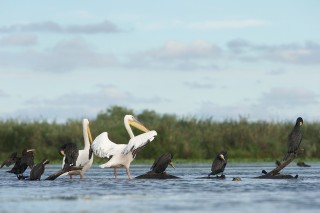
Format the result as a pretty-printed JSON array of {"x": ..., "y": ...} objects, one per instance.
[
  {"x": 61, "y": 152},
  {"x": 171, "y": 164},
  {"x": 89, "y": 134},
  {"x": 46, "y": 162},
  {"x": 222, "y": 157},
  {"x": 300, "y": 123},
  {"x": 31, "y": 150},
  {"x": 137, "y": 124}
]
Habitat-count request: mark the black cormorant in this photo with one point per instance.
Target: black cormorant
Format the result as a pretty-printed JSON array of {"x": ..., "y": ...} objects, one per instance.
[
  {"x": 70, "y": 152},
  {"x": 38, "y": 170},
  {"x": 22, "y": 163},
  {"x": 303, "y": 164},
  {"x": 10, "y": 160},
  {"x": 294, "y": 138},
  {"x": 219, "y": 163},
  {"x": 160, "y": 165}
]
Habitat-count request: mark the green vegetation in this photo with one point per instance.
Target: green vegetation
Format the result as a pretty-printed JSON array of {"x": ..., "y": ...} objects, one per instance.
[{"x": 186, "y": 138}]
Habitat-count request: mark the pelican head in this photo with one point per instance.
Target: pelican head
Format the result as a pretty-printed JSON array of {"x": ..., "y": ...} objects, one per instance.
[{"x": 135, "y": 123}]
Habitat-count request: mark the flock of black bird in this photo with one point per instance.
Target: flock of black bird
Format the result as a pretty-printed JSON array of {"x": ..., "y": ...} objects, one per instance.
[
  {"x": 70, "y": 152},
  {"x": 22, "y": 163}
]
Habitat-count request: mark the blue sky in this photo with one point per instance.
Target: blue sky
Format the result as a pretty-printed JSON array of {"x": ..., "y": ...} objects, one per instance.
[{"x": 73, "y": 59}]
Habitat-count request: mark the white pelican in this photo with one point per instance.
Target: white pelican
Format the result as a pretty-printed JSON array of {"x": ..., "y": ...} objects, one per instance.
[
  {"x": 122, "y": 154},
  {"x": 85, "y": 157}
]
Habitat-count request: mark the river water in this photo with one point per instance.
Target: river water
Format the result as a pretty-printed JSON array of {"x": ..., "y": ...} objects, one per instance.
[{"x": 100, "y": 192}]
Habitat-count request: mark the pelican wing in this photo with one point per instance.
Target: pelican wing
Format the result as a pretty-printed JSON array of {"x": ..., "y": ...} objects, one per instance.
[
  {"x": 138, "y": 142},
  {"x": 103, "y": 147}
]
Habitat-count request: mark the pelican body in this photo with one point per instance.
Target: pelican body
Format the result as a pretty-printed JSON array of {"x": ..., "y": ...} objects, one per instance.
[
  {"x": 85, "y": 156},
  {"x": 121, "y": 155}
]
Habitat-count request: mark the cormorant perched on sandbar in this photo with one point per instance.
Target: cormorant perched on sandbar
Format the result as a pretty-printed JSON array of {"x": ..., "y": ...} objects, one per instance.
[
  {"x": 303, "y": 164},
  {"x": 158, "y": 169},
  {"x": 70, "y": 152},
  {"x": 38, "y": 170},
  {"x": 294, "y": 138},
  {"x": 219, "y": 163},
  {"x": 10, "y": 160},
  {"x": 22, "y": 163},
  {"x": 160, "y": 165}
]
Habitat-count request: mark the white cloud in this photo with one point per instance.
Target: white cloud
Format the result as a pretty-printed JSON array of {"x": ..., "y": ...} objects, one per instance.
[
  {"x": 278, "y": 104},
  {"x": 227, "y": 24},
  {"x": 77, "y": 53},
  {"x": 65, "y": 56},
  {"x": 280, "y": 97},
  {"x": 18, "y": 40},
  {"x": 202, "y": 25},
  {"x": 76, "y": 105},
  {"x": 199, "y": 85},
  {"x": 198, "y": 54},
  {"x": 307, "y": 53},
  {"x": 53, "y": 27},
  {"x": 205, "y": 55},
  {"x": 174, "y": 50},
  {"x": 3, "y": 94}
]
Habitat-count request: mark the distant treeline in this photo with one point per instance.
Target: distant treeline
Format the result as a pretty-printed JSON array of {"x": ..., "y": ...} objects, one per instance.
[{"x": 186, "y": 138}]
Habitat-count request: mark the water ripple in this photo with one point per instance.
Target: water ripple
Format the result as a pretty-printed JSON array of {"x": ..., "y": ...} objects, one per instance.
[{"x": 100, "y": 192}]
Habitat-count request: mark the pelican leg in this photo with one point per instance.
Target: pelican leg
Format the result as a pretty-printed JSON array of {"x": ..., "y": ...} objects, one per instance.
[
  {"x": 81, "y": 176},
  {"x": 115, "y": 172},
  {"x": 128, "y": 173}
]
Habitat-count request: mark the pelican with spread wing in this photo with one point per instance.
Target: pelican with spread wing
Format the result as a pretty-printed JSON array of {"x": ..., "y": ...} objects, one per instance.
[{"x": 122, "y": 154}]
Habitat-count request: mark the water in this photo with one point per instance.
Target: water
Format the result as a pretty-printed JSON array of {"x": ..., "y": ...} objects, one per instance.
[{"x": 100, "y": 192}]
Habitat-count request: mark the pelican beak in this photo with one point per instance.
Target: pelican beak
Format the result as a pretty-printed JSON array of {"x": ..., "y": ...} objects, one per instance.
[
  {"x": 171, "y": 164},
  {"x": 222, "y": 157},
  {"x": 31, "y": 150},
  {"x": 137, "y": 124},
  {"x": 89, "y": 134}
]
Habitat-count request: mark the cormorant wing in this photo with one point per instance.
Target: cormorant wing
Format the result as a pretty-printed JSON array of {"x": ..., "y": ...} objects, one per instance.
[
  {"x": 294, "y": 140},
  {"x": 11, "y": 160},
  {"x": 138, "y": 142},
  {"x": 36, "y": 172},
  {"x": 155, "y": 162},
  {"x": 218, "y": 166},
  {"x": 103, "y": 147},
  {"x": 28, "y": 159}
]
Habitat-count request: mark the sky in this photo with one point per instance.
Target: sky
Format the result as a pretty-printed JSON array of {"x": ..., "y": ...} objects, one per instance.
[{"x": 63, "y": 60}]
